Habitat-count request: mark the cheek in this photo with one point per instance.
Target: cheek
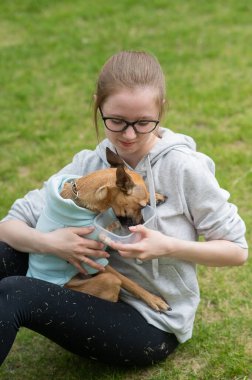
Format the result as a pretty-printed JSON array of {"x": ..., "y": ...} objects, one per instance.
[{"x": 109, "y": 135}]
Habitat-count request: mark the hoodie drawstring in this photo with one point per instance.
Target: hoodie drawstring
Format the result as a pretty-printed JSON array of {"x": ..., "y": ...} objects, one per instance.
[
  {"x": 152, "y": 192},
  {"x": 151, "y": 185}
]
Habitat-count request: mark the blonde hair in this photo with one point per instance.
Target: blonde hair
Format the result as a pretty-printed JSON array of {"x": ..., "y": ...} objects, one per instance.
[{"x": 129, "y": 69}]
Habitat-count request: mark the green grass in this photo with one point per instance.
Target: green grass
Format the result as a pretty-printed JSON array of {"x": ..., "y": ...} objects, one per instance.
[{"x": 51, "y": 52}]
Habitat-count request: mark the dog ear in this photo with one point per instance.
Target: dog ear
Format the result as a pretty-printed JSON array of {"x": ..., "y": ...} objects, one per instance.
[
  {"x": 113, "y": 159},
  {"x": 66, "y": 192},
  {"x": 101, "y": 193},
  {"x": 123, "y": 180},
  {"x": 140, "y": 193}
]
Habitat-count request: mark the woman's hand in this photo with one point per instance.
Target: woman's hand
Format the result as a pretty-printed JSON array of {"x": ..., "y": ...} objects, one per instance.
[
  {"x": 153, "y": 244},
  {"x": 71, "y": 245}
]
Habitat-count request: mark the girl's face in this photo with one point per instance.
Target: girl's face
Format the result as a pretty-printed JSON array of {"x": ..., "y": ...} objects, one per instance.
[{"x": 132, "y": 104}]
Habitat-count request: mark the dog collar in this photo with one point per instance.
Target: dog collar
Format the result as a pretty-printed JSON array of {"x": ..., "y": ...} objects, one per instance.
[{"x": 74, "y": 189}]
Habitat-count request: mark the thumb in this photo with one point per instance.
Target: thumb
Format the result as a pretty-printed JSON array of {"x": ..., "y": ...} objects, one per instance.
[{"x": 139, "y": 228}]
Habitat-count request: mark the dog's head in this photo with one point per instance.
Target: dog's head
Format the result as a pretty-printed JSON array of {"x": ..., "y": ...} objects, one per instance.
[
  {"x": 118, "y": 187},
  {"x": 127, "y": 193},
  {"x": 129, "y": 196}
]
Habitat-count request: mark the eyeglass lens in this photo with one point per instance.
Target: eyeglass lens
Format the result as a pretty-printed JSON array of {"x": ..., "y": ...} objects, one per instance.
[{"x": 140, "y": 126}]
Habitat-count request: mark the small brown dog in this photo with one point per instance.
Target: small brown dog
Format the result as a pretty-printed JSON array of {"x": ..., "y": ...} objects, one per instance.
[{"x": 125, "y": 192}]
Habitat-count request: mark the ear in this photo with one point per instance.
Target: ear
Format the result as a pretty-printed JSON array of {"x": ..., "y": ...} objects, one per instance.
[
  {"x": 113, "y": 159},
  {"x": 123, "y": 180},
  {"x": 101, "y": 193},
  {"x": 140, "y": 193},
  {"x": 66, "y": 192}
]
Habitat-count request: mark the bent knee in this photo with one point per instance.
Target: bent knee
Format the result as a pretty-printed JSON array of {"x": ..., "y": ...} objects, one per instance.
[
  {"x": 14, "y": 284},
  {"x": 110, "y": 279}
]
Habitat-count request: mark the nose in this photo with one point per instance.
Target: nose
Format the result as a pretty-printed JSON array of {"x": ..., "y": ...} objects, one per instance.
[{"x": 129, "y": 132}]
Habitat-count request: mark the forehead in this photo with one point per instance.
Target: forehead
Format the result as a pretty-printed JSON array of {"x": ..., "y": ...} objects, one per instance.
[{"x": 140, "y": 101}]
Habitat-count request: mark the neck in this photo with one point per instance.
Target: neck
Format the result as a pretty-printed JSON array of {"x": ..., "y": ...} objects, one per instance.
[{"x": 133, "y": 159}]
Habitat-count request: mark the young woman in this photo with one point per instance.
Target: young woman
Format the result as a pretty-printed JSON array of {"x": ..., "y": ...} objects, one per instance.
[{"x": 130, "y": 98}]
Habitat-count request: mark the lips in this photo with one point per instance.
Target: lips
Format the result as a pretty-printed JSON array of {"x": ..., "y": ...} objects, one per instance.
[{"x": 127, "y": 143}]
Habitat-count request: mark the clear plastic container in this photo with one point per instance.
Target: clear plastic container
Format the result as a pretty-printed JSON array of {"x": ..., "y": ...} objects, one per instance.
[{"x": 109, "y": 228}]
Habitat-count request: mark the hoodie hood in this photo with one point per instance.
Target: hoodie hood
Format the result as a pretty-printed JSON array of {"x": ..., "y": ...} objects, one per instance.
[{"x": 168, "y": 141}]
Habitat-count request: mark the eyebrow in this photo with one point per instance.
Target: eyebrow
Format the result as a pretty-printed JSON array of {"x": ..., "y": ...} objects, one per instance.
[{"x": 125, "y": 118}]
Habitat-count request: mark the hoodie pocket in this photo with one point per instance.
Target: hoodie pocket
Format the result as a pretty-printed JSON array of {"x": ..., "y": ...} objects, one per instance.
[
  {"x": 171, "y": 208},
  {"x": 177, "y": 285}
]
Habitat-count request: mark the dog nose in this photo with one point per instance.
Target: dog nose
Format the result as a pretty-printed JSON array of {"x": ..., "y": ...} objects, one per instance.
[{"x": 127, "y": 221}]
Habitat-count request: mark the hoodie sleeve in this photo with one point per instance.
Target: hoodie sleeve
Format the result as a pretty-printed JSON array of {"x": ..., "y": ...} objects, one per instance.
[
  {"x": 206, "y": 204},
  {"x": 28, "y": 208}
]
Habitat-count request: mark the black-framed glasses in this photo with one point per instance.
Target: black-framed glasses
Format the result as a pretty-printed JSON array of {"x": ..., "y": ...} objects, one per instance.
[{"x": 116, "y": 124}]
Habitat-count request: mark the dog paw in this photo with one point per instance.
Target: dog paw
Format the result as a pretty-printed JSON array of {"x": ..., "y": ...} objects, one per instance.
[
  {"x": 160, "y": 198},
  {"x": 115, "y": 225},
  {"x": 158, "y": 304}
]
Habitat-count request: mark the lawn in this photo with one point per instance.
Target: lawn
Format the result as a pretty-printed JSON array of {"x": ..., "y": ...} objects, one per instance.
[{"x": 51, "y": 52}]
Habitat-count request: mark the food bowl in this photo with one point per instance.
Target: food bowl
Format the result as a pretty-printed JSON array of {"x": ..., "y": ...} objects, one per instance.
[{"x": 109, "y": 228}]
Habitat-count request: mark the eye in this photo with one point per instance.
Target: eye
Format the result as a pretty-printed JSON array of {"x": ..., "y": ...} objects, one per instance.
[
  {"x": 142, "y": 123},
  {"x": 116, "y": 121}
]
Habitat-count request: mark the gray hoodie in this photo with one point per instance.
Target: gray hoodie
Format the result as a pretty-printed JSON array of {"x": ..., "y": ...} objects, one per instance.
[{"x": 196, "y": 206}]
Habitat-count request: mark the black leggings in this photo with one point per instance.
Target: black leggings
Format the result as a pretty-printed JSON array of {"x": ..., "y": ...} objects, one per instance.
[{"x": 114, "y": 333}]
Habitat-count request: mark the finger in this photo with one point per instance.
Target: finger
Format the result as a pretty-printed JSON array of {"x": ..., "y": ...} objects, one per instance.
[
  {"x": 134, "y": 247},
  {"x": 92, "y": 244},
  {"x": 114, "y": 244},
  {"x": 128, "y": 254},
  {"x": 96, "y": 253},
  {"x": 139, "y": 228},
  {"x": 78, "y": 266},
  {"x": 92, "y": 263},
  {"x": 82, "y": 230}
]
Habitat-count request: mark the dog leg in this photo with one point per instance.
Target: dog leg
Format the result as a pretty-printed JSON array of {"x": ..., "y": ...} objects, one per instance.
[
  {"x": 160, "y": 198},
  {"x": 155, "y": 302},
  {"x": 103, "y": 285}
]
